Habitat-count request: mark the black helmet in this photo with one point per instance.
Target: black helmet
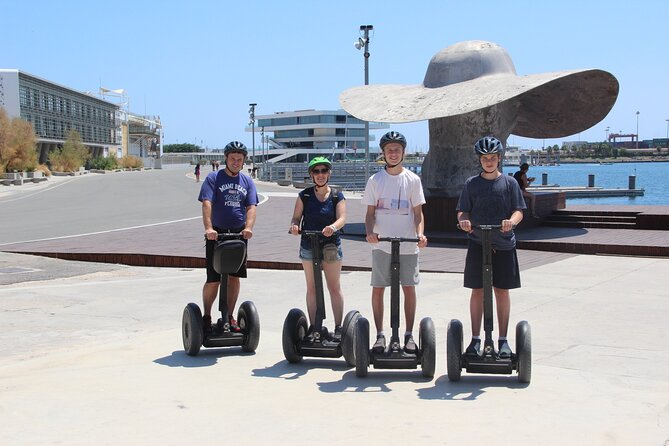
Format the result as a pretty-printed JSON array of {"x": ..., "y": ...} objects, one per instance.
[
  {"x": 393, "y": 137},
  {"x": 235, "y": 147},
  {"x": 488, "y": 145}
]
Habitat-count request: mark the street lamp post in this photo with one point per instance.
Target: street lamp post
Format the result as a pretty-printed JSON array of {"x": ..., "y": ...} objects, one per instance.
[
  {"x": 667, "y": 132},
  {"x": 363, "y": 42},
  {"x": 606, "y": 131},
  {"x": 637, "y": 130},
  {"x": 252, "y": 117}
]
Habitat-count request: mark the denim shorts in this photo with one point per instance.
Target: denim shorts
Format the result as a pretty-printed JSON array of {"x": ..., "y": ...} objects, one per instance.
[{"x": 307, "y": 253}]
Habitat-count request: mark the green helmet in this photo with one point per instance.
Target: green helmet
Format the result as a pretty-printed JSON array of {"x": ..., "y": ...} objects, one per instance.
[{"x": 319, "y": 160}]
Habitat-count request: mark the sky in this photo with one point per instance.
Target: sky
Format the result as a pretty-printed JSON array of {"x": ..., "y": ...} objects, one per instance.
[{"x": 199, "y": 64}]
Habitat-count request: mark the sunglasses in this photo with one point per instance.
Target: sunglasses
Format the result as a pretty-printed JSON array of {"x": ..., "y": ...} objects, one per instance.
[{"x": 319, "y": 171}]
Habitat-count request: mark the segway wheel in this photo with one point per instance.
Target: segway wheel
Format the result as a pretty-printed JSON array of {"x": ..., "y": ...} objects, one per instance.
[
  {"x": 361, "y": 347},
  {"x": 454, "y": 350},
  {"x": 524, "y": 351},
  {"x": 191, "y": 329},
  {"x": 428, "y": 350},
  {"x": 348, "y": 337},
  {"x": 294, "y": 330},
  {"x": 249, "y": 323}
]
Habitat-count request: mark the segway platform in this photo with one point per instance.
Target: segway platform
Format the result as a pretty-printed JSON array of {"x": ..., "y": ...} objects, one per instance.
[
  {"x": 394, "y": 356},
  {"x": 229, "y": 255},
  {"x": 321, "y": 344},
  {"x": 489, "y": 360}
]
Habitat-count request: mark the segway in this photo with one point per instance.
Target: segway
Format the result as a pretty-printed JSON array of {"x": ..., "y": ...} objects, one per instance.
[
  {"x": 394, "y": 356},
  {"x": 488, "y": 361},
  {"x": 321, "y": 343},
  {"x": 229, "y": 255}
]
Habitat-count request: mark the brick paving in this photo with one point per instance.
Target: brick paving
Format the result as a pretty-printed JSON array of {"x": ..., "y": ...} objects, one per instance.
[{"x": 180, "y": 244}]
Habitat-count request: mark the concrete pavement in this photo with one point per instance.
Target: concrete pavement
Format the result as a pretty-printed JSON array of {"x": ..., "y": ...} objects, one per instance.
[{"x": 97, "y": 358}]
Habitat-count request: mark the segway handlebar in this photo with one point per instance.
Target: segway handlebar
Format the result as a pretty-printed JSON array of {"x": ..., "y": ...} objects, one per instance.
[
  {"x": 228, "y": 236},
  {"x": 485, "y": 227},
  {"x": 311, "y": 232},
  {"x": 399, "y": 239}
]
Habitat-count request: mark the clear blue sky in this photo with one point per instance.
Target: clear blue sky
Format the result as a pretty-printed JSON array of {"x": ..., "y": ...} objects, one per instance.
[{"x": 199, "y": 64}]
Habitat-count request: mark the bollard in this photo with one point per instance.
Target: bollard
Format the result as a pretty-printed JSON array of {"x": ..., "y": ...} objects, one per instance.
[
  {"x": 544, "y": 179},
  {"x": 632, "y": 182},
  {"x": 591, "y": 180}
]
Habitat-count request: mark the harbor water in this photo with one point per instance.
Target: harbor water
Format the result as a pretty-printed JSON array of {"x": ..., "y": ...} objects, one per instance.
[{"x": 653, "y": 177}]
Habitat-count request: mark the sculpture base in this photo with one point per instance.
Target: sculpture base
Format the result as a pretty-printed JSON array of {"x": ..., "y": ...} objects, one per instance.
[{"x": 440, "y": 214}]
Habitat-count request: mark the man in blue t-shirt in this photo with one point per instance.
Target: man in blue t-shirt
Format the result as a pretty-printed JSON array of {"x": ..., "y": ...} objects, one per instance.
[
  {"x": 229, "y": 201},
  {"x": 491, "y": 198}
]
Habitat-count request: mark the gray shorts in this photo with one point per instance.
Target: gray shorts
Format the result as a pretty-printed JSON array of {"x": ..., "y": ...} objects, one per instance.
[{"x": 409, "y": 274}]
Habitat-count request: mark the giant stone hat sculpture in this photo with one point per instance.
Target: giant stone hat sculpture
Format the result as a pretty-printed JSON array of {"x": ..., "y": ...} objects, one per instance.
[{"x": 471, "y": 89}]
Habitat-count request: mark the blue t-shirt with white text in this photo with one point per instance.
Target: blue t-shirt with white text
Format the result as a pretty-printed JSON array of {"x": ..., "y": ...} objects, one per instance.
[{"x": 229, "y": 197}]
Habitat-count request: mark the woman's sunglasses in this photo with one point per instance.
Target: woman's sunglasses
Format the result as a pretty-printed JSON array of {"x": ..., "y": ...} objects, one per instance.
[{"x": 319, "y": 171}]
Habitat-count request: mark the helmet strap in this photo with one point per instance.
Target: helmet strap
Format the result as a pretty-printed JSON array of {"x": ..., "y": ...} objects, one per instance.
[{"x": 388, "y": 166}]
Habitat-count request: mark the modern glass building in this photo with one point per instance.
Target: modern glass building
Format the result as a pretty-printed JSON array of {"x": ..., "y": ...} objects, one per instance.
[
  {"x": 54, "y": 110},
  {"x": 300, "y": 135}
]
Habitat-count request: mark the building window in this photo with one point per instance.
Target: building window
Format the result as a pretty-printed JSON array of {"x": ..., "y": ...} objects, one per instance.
[{"x": 23, "y": 96}]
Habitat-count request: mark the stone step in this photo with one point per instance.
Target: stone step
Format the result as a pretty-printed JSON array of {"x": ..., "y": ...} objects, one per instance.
[
  {"x": 587, "y": 224},
  {"x": 593, "y": 218},
  {"x": 595, "y": 213}
]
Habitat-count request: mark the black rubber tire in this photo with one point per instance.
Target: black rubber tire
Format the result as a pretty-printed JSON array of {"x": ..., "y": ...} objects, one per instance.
[
  {"x": 524, "y": 351},
  {"x": 249, "y": 323},
  {"x": 191, "y": 329},
  {"x": 454, "y": 350},
  {"x": 428, "y": 347},
  {"x": 295, "y": 328},
  {"x": 361, "y": 347},
  {"x": 348, "y": 337}
]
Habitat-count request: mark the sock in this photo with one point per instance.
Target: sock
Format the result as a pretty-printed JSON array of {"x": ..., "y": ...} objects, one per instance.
[
  {"x": 408, "y": 333},
  {"x": 478, "y": 338},
  {"x": 381, "y": 333}
]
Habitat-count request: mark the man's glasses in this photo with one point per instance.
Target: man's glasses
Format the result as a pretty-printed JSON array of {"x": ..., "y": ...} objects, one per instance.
[{"x": 319, "y": 171}]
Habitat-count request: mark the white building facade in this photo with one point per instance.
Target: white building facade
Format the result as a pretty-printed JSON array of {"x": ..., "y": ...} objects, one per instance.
[{"x": 300, "y": 135}]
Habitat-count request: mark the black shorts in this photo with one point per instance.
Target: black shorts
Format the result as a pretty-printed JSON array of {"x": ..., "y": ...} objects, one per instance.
[
  {"x": 212, "y": 275},
  {"x": 505, "y": 270}
]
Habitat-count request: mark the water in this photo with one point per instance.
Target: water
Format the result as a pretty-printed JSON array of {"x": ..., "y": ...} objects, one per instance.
[{"x": 652, "y": 177}]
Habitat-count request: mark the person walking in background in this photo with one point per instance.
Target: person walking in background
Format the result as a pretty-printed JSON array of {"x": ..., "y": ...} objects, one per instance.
[
  {"x": 394, "y": 199},
  {"x": 229, "y": 201},
  {"x": 524, "y": 182},
  {"x": 321, "y": 208},
  {"x": 491, "y": 198},
  {"x": 197, "y": 172}
]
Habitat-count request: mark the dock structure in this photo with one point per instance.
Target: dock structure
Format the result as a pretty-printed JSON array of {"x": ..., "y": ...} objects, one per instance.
[{"x": 586, "y": 192}]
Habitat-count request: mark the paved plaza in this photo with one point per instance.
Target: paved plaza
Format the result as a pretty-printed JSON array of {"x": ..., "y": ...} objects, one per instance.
[{"x": 92, "y": 352}]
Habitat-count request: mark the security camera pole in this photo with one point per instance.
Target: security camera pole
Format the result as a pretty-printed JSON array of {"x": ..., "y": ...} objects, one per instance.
[
  {"x": 252, "y": 117},
  {"x": 366, "y": 29}
]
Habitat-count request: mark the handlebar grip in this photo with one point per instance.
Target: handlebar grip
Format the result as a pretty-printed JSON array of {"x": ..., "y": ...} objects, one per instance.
[{"x": 399, "y": 239}]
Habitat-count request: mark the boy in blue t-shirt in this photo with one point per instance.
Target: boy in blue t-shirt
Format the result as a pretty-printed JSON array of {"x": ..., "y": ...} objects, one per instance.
[
  {"x": 229, "y": 201},
  {"x": 491, "y": 198}
]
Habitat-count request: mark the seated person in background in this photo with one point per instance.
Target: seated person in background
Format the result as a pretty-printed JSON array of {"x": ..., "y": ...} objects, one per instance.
[{"x": 524, "y": 182}]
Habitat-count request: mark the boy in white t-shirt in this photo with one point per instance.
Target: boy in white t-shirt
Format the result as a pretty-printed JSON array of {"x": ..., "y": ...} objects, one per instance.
[{"x": 394, "y": 199}]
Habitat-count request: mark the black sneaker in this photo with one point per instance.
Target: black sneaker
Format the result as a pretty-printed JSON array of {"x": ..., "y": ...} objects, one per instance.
[
  {"x": 337, "y": 334},
  {"x": 474, "y": 348},
  {"x": 206, "y": 323},
  {"x": 380, "y": 344},
  {"x": 504, "y": 350},
  {"x": 409, "y": 344}
]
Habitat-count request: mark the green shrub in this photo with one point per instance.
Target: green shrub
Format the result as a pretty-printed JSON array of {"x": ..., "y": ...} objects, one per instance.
[{"x": 102, "y": 163}]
